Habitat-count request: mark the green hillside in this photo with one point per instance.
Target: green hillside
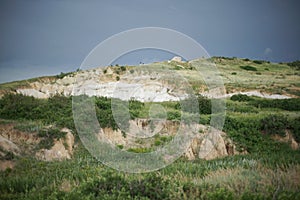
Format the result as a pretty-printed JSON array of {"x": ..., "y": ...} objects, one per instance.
[{"x": 265, "y": 130}]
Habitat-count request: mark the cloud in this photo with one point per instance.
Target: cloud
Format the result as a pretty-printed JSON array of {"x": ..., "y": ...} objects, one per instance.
[{"x": 268, "y": 51}]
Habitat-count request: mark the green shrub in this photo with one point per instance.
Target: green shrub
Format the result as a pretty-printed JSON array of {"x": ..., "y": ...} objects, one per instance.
[
  {"x": 292, "y": 104},
  {"x": 18, "y": 106},
  {"x": 274, "y": 124},
  {"x": 104, "y": 113},
  {"x": 190, "y": 105},
  {"x": 295, "y": 127},
  {"x": 248, "y": 68},
  {"x": 177, "y": 67},
  {"x": 135, "y": 108},
  {"x": 174, "y": 115},
  {"x": 48, "y": 136},
  {"x": 240, "y": 97},
  {"x": 243, "y": 109},
  {"x": 123, "y": 68},
  {"x": 161, "y": 140},
  {"x": 56, "y": 109},
  {"x": 45, "y": 143},
  {"x": 62, "y": 75},
  {"x": 247, "y": 134},
  {"x": 258, "y": 62},
  {"x": 51, "y": 133}
]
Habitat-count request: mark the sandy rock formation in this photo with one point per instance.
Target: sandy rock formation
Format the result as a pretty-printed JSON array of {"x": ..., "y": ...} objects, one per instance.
[
  {"x": 289, "y": 139},
  {"x": 62, "y": 149},
  {"x": 210, "y": 145},
  {"x": 5, "y": 164}
]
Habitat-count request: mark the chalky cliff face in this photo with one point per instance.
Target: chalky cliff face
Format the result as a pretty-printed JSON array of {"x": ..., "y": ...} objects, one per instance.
[
  {"x": 171, "y": 81},
  {"x": 144, "y": 83}
]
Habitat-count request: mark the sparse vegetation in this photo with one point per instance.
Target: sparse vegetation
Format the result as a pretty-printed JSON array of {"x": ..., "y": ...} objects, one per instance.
[
  {"x": 62, "y": 75},
  {"x": 295, "y": 64}
]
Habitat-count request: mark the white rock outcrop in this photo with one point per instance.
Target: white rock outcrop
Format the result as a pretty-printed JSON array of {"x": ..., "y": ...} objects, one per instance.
[
  {"x": 32, "y": 92},
  {"x": 177, "y": 59}
]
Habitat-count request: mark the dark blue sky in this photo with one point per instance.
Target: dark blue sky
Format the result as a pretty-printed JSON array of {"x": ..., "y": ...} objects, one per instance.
[{"x": 49, "y": 37}]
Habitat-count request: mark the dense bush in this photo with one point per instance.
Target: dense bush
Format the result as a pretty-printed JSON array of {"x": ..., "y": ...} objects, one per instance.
[
  {"x": 274, "y": 124},
  {"x": 135, "y": 108},
  {"x": 259, "y": 62},
  {"x": 104, "y": 113},
  {"x": 244, "y": 132},
  {"x": 19, "y": 106},
  {"x": 248, "y": 132},
  {"x": 110, "y": 112},
  {"x": 292, "y": 104},
  {"x": 174, "y": 115},
  {"x": 190, "y": 105},
  {"x": 242, "y": 109},
  {"x": 248, "y": 68},
  {"x": 295, "y": 127},
  {"x": 57, "y": 109},
  {"x": 240, "y": 97}
]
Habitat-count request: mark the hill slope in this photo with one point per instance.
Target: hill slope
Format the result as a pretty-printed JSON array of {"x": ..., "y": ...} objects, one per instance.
[
  {"x": 161, "y": 80},
  {"x": 255, "y": 156}
]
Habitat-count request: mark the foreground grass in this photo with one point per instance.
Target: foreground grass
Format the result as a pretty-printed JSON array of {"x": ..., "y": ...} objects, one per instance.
[{"x": 261, "y": 176}]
